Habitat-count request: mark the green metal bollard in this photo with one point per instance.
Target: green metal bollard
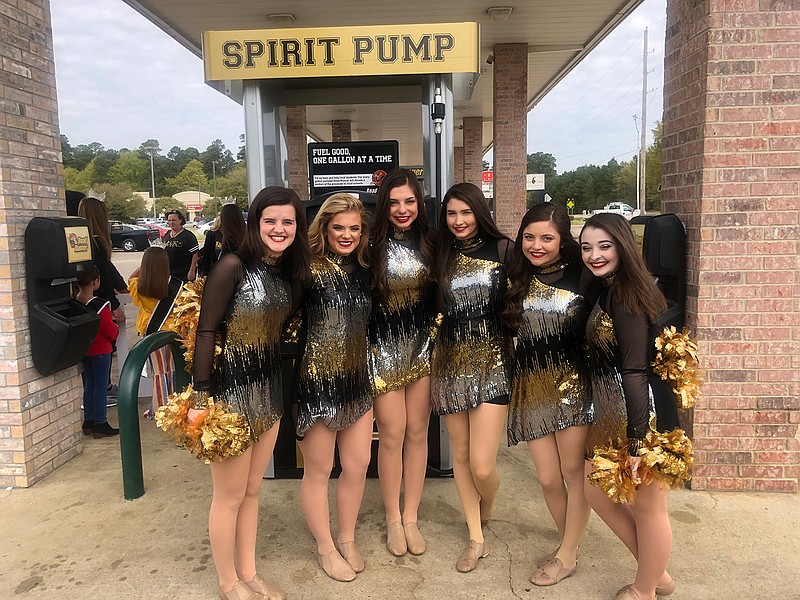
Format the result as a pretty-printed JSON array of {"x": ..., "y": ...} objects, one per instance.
[{"x": 130, "y": 440}]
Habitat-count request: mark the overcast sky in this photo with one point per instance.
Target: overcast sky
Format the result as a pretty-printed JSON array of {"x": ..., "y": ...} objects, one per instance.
[{"x": 121, "y": 81}]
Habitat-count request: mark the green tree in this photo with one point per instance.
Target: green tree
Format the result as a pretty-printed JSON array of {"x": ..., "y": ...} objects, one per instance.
[
  {"x": 76, "y": 180},
  {"x": 625, "y": 182},
  {"x": 216, "y": 158},
  {"x": 241, "y": 154},
  {"x": 132, "y": 170},
  {"x": 234, "y": 184},
  {"x": 542, "y": 162},
  {"x": 121, "y": 202},
  {"x": 166, "y": 204},
  {"x": 653, "y": 169},
  {"x": 192, "y": 177}
]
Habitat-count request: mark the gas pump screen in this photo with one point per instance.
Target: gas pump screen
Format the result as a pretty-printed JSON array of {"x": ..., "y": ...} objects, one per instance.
[{"x": 357, "y": 166}]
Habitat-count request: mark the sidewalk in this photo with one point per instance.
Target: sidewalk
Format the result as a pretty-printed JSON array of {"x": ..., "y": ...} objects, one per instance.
[{"x": 71, "y": 536}]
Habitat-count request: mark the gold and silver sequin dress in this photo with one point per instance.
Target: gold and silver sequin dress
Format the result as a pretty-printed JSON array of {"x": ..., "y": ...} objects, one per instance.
[
  {"x": 248, "y": 307},
  {"x": 626, "y": 390},
  {"x": 552, "y": 389},
  {"x": 472, "y": 357},
  {"x": 333, "y": 380},
  {"x": 400, "y": 341}
]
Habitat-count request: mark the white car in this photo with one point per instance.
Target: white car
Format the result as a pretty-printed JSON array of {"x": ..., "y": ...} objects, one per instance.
[
  {"x": 205, "y": 227},
  {"x": 620, "y": 208}
]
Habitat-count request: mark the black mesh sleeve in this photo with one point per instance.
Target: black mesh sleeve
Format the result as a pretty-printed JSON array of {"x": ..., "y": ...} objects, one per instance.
[
  {"x": 221, "y": 284},
  {"x": 633, "y": 336}
]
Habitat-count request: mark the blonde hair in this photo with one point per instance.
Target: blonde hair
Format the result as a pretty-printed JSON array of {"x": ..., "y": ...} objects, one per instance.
[
  {"x": 336, "y": 204},
  {"x": 154, "y": 273}
]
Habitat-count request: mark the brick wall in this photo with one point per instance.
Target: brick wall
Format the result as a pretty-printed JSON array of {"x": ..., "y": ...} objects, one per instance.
[
  {"x": 458, "y": 164},
  {"x": 732, "y": 172},
  {"x": 341, "y": 130},
  {"x": 297, "y": 150},
  {"x": 39, "y": 416},
  {"x": 473, "y": 150},
  {"x": 510, "y": 82}
]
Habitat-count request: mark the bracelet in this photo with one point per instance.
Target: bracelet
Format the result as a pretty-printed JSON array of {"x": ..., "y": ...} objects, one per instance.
[
  {"x": 634, "y": 445},
  {"x": 200, "y": 400}
]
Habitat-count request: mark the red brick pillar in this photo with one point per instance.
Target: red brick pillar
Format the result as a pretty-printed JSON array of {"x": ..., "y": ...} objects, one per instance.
[
  {"x": 510, "y": 78},
  {"x": 40, "y": 417},
  {"x": 458, "y": 164},
  {"x": 731, "y": 167},
  {"x": 473, "y": 150},
  {"x": 297, "y": 150},
  {"x": 341, "y": 130}
]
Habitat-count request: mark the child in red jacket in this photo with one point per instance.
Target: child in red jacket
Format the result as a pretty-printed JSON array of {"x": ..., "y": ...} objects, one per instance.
[{"x": 97, "y": 362}]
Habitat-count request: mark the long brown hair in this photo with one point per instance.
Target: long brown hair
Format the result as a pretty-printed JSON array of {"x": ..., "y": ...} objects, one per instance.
[
  {"x": 520, "y": 269},
  {"x": 154, "y": 273},
  {"x": 443, "y": 259},
  {"x": 420, "y": 232},
  {"x": 338, "y": 203},
  {"x": 95, "y": 213},
  {"x": 232, "y": 225},
  {"x": 295, "y": 260},
  {"x": 632, "y": 286}
]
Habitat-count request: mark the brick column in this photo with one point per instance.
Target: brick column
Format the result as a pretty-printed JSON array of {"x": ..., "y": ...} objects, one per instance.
[
  {"x": 458, "y": 164},
  {"x": 731, "y": 167},
  {"x": 40, "y": 417},
  {"x": 297, "y": 150},
  {"x": 510, "y": 79},
  {"x": 341, "y": 130},
  {"x": 473, "y": 150}
]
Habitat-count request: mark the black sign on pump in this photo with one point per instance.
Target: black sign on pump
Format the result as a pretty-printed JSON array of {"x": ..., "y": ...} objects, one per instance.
[{"x": 361, "y": 166}]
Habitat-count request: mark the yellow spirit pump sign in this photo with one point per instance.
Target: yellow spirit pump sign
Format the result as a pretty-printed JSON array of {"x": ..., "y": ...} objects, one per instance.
[{"x": 341, "y": 51}]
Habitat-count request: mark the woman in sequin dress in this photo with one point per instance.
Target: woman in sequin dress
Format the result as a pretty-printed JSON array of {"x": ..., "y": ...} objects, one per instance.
[
  {"x": 399, "y": 357},
  {"x": 335, "y": 395},
  {"x": 247, "y": 297},
  {"x": 551, "y": 398},
  {"x": 471, "y": 368},
  {"x": 620, "y": 334}
]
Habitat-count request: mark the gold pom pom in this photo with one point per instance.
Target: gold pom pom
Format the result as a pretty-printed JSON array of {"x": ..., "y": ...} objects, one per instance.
[
  {"x": 187, "y": 316},
  {"x": 218, "y": 435},
  {"x": 676, "y": 362},
  {"x": 666, "y": 459}
]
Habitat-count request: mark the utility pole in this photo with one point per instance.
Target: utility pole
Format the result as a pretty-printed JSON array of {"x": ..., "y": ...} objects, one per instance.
[
  {"x": 214, "y": 175},
  {"x": 153, "y": 184},
  {"x": 642, "y": 201}
]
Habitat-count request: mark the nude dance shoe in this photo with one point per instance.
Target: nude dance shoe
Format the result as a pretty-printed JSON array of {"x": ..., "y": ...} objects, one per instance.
[
  {"x": 350, "y": 553},
  {"x": 336, "y": 567},
  {"x": 396, "y": 539},
  {"x": 628, "y": 593},
  {"x": 551, "y": 573},
  {"x": 469, "y": 558},
  {"x": 547, "y": 558},
  {"x": 271, "y": 592},
  {"x": 661, "y": 590},
  {"x": 414, "y": 540},
  {"x": 240, "y": 591}
]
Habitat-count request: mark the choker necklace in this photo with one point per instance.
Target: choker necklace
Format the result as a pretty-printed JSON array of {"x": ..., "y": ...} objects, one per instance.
[
  {"x": 472, "y": 243},
  {"x": 401, "y": 235},
  {"x": 338, "y": 259},
  {"x": 270, "y": 259},
  {"x": 608, "y": 280},
  {"x": 558, "y": 265}
]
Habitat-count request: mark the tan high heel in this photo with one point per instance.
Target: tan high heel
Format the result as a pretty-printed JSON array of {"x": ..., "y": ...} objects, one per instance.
[
  {"x": 350, "y": 553},
  {"x": 271, "y": 592},
  {"x": 336, "y": 567},
  {"x": 469, "y": 558},
  {"x": 396, "y": 539},
  {"x": 414, "y": 540},
  {"x": 239, "y": 591}
]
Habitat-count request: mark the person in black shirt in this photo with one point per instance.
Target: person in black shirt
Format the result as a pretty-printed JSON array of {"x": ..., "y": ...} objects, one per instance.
[{"x": 181, "y": 247}]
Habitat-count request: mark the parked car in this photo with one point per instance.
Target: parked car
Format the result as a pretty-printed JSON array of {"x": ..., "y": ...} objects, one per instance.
[
  {"x": 131, "y": 237},
  {"x": 204, "y": 227},
  {"x": 159, "y": 228},
  {"x": 620, "y": 208}
]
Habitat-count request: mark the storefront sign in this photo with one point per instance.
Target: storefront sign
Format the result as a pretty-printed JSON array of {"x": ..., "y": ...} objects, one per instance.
[
  {"x": 341, "y": 51},
  {"x": 361, "y": 166}
]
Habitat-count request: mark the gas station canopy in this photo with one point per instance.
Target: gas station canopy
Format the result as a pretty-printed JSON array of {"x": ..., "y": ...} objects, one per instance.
[{"x": 559, "y": 34}]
